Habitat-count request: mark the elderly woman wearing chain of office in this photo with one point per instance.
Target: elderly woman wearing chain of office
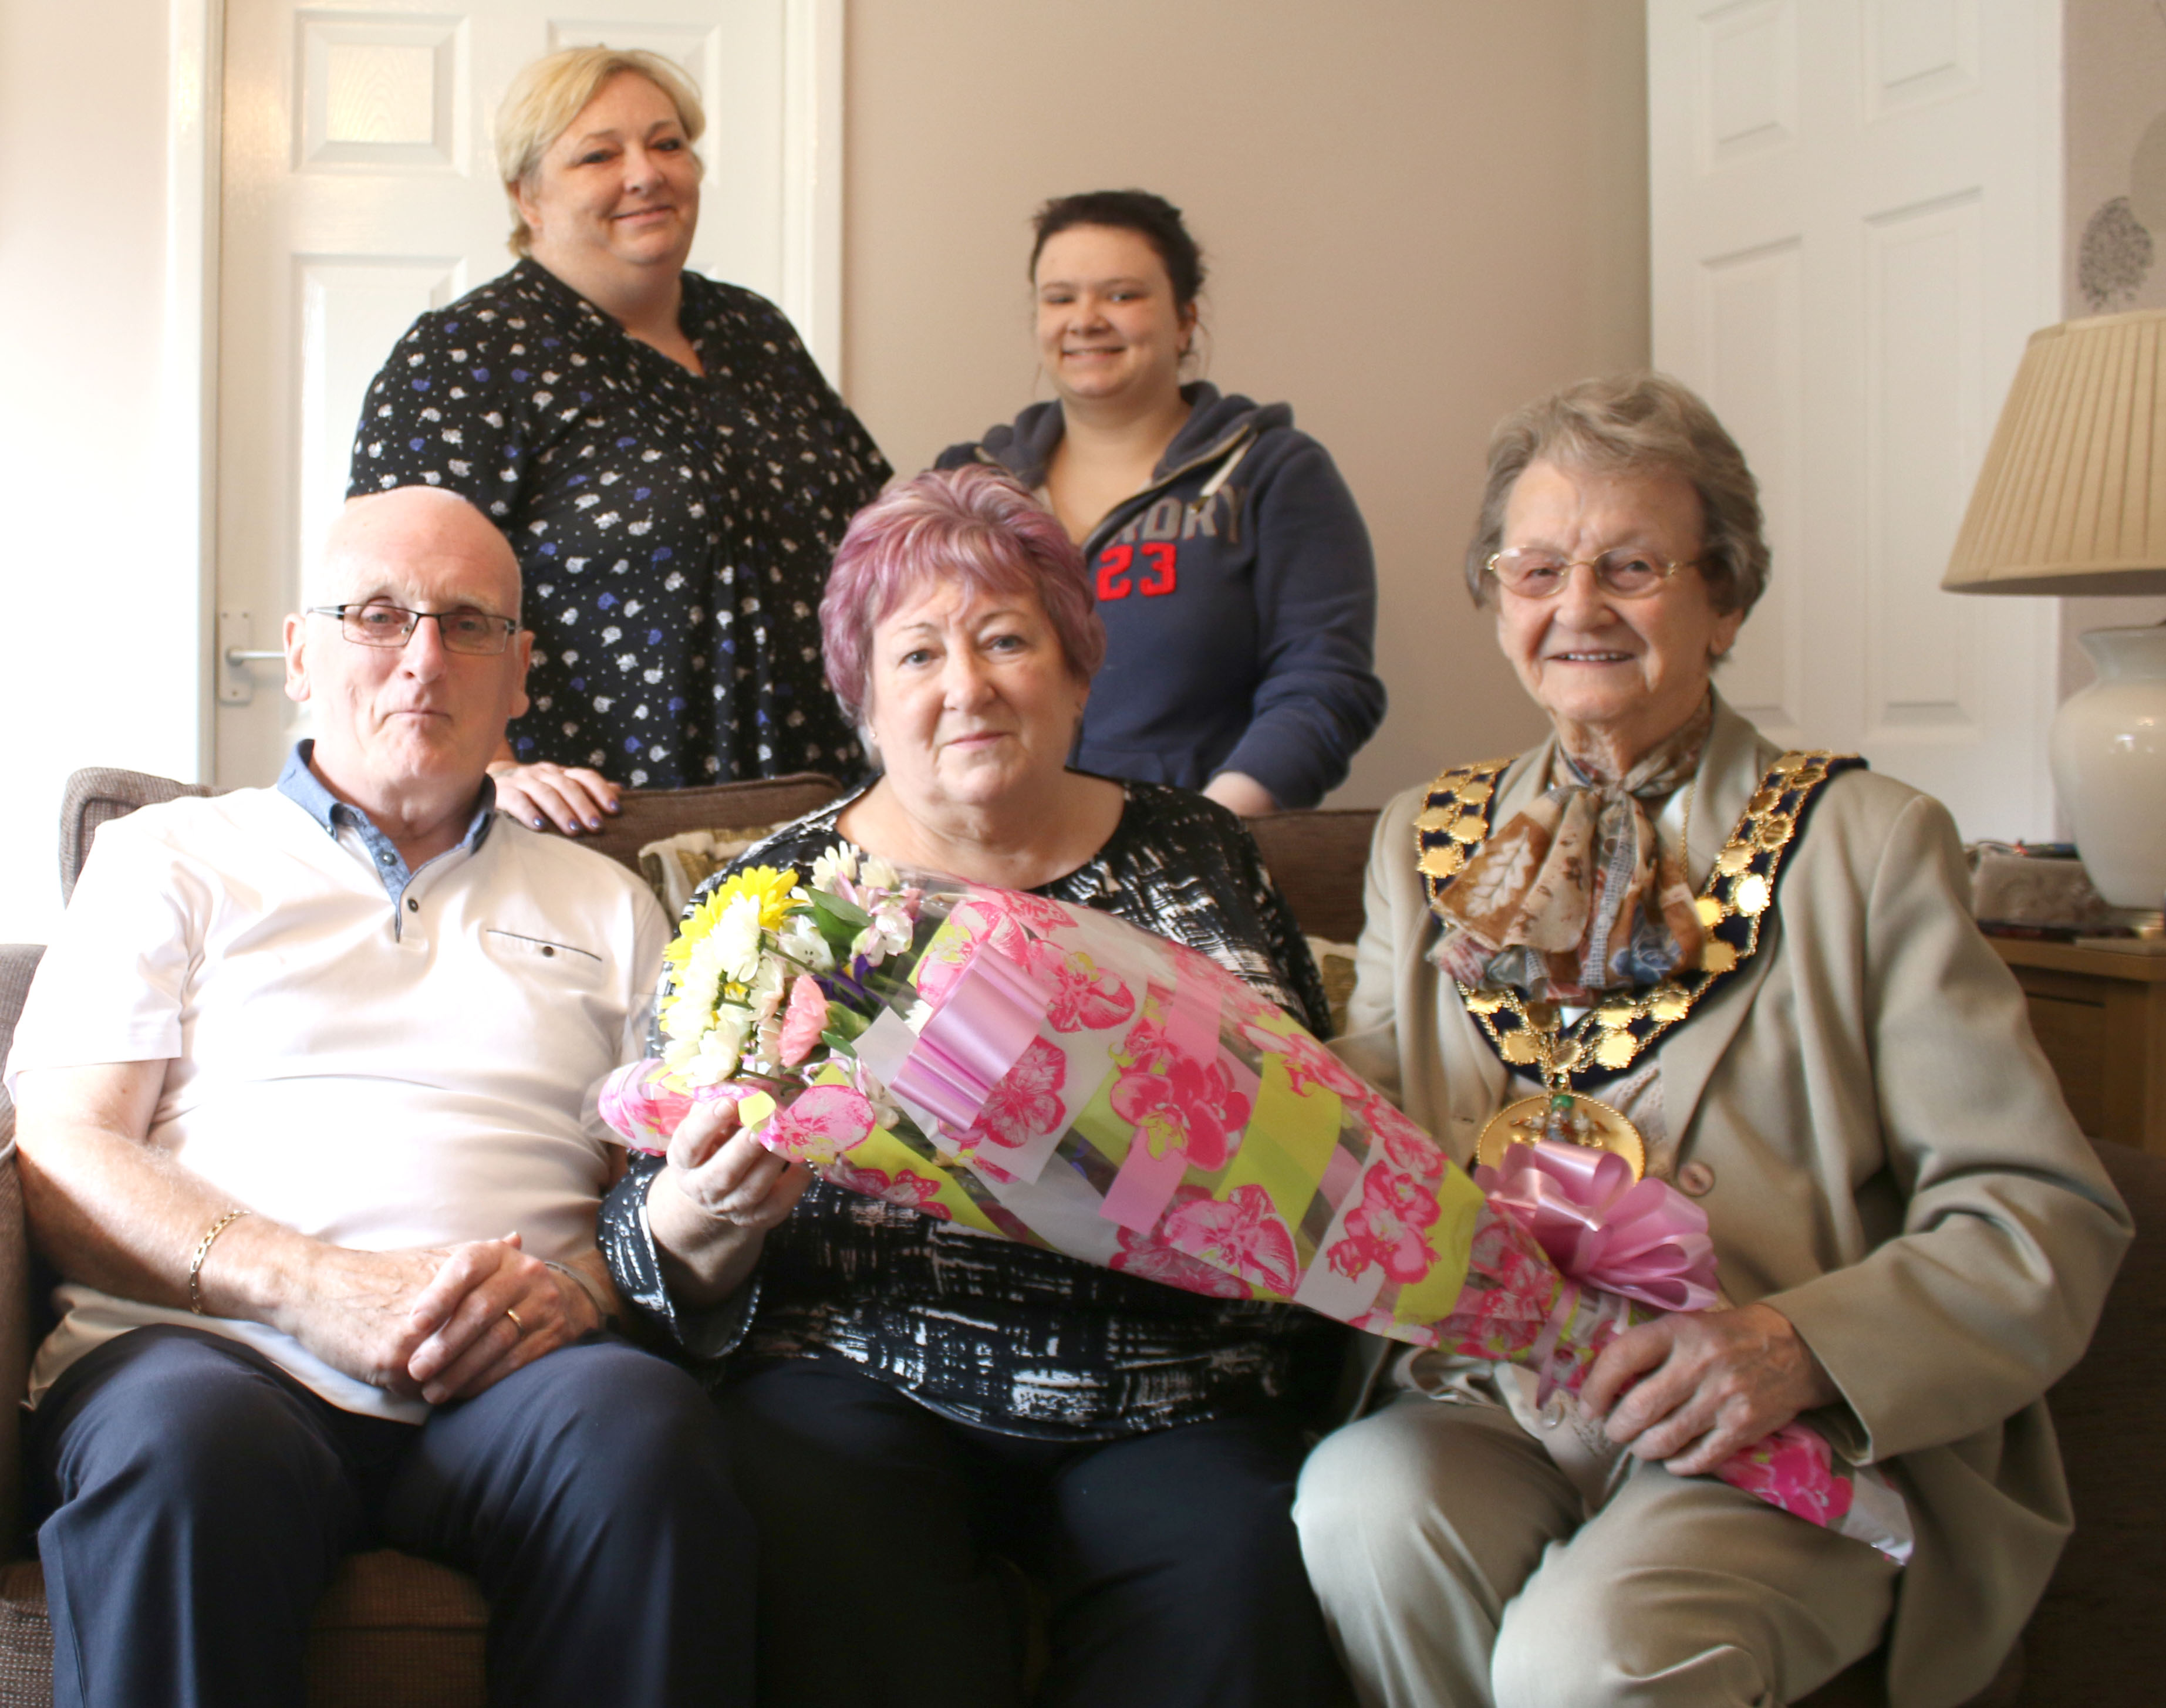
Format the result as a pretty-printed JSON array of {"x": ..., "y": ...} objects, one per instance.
[{"x": 1754, "y": 973}]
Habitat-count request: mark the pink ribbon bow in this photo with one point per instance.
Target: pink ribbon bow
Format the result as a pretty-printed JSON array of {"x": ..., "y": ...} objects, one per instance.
[
  {"x": 990, "y": 1014},
  {"x": 1644, "y": 1240}
]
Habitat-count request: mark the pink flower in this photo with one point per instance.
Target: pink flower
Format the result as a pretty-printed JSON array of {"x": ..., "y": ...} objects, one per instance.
[
  {"x": 869, "y": 1182},
  {"x": 1026, "y": 1104},
  {"x": 1406, "y": 1146},
  {"x": 939, "y": 970},
  {"x": 1035, "y": 912},
  {"x": 823, "y": 1122},
  {"x": 1147, "y": 1256},
  {"x": 803, "y": 1021},
  {"x": 995, "y": 920},
  {"x": 912, "y": 1192},
  {"x": 1387, "y": 1229},
  {"x": 1184, "y": 1104},
  {"x": 1794, "y": 1469},
  {"x": 1244, "y": 1234},
  {"x": 917, "y": 1191},
  {"x": 1085, "y": 997},
  {"x": 1308, "y": 1063},
  {"x": 639, "y": 1109}
]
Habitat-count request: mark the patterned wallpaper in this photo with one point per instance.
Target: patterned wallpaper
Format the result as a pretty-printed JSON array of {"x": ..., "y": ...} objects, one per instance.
[{"x": 2115, "y": 120}]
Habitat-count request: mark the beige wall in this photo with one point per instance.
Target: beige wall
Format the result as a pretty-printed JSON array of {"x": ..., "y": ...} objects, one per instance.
[
  {"x": 1419, "y": 214},
  {"x": 1422, "y": 211}
]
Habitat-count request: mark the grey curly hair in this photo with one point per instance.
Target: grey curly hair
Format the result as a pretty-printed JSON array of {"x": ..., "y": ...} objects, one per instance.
[{"x": 1634, "y": 423}]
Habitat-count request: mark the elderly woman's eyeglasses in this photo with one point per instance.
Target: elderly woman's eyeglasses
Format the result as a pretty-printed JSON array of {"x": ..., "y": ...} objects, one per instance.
[
  {"x": 378, "y": 625},
  {"x": 1622, "y": 575}
]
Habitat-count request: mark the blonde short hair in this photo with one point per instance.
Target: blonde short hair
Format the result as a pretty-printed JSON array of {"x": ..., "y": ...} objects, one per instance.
[{"x": 547, "y": 95}]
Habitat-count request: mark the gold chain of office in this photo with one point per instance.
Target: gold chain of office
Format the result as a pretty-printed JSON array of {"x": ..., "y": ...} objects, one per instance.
[{"x": 1610, "y": 1037}]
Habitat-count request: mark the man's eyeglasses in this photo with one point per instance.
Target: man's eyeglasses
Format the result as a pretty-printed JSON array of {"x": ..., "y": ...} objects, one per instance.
[
  {"x": 1622, "y": 575},
  {"x": 376, "y": 624}
]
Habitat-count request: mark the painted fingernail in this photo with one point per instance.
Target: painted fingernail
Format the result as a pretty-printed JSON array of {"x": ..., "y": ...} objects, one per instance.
[
  {"x": 594, "y": 824},
  {"x": 538, "y": 823}
]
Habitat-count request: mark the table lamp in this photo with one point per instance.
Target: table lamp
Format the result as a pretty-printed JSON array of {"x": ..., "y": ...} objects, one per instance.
[{"x": 2071, "y": 501}]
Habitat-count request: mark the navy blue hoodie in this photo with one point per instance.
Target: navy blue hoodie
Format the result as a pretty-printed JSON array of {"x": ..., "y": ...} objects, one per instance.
[{"x": 1239, "y": 599}]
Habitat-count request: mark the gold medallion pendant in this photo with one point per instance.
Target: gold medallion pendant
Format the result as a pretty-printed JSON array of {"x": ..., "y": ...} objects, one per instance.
[
  {"x": 1528, "y": 1033},
  {"x": 1563, "y": 1118}
]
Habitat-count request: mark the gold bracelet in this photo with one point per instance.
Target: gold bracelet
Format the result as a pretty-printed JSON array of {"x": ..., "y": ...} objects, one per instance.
[{"x": 203, "y": 1251}]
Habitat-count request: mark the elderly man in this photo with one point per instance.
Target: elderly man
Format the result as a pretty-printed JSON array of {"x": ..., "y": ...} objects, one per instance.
[{"x": 306, "y": 1123}]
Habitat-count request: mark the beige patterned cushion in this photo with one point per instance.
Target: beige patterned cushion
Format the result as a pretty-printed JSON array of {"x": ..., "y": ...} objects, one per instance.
[
  {"x": 1335, "y": 961},
  {"x": 676, "y": 866}
]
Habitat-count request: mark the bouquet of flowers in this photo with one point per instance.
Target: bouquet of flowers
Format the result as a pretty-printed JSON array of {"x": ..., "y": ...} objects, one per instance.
[{"x": 1052, "y": 1075}]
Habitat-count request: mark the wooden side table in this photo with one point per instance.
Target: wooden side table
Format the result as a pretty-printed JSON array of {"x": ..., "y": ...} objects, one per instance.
[{"x": 2101, "y": 1017}]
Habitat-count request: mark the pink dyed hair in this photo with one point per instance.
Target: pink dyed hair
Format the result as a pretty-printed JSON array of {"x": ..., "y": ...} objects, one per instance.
[{"x": 973, "y": 526}]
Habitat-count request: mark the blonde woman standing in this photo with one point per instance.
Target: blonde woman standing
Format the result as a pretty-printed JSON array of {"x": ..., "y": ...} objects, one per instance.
[{"x": 670, "y": 467}]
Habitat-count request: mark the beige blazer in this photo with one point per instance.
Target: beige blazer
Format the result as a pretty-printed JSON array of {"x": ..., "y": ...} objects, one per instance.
[{"x": 1894, "y": 1168}]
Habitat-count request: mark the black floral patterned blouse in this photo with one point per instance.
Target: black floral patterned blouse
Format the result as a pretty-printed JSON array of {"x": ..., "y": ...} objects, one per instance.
[
  {"x": 673, "y": 529},
  {"x": 1011, "y": 1337}
]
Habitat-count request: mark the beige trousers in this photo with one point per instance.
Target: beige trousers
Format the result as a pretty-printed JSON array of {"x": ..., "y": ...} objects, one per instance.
[{"x": 1456, "y": 1572}]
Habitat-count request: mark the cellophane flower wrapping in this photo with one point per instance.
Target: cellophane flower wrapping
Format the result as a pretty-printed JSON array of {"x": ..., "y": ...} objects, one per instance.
[{"x": 1054, "y": 1075}]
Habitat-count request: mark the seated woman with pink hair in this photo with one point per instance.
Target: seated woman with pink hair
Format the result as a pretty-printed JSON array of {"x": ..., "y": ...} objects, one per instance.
[{"x": 922, "y": 1403}]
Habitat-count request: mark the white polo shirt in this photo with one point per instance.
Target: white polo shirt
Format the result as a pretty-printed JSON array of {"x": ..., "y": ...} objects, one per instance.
[{"x": 377, "y": 1059}]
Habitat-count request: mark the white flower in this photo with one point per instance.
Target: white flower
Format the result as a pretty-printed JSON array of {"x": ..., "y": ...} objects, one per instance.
[
  {"x": 920, "y": 1011},
  {"x": 684, "y": 1019},
  {"x": 769, "y": 1046},
  {"x": 878, "y": 875},
  {"x": 888, "y": 935},
  {"x": 712, "y": 1057},
  {"x": 736, "y": 941},
  {"x": 802, "y": 943},
  {"x": 837, "y": 863},
  {"x": 764, "y": 994},
  {"x": 699, "y": 989}
]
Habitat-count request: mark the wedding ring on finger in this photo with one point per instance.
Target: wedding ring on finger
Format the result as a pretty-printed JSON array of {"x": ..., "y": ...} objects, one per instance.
[{"x": 518, "y": 1326}]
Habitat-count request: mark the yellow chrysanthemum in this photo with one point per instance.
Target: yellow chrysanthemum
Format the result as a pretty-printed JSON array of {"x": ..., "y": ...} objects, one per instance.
[{"x": 768, "y": 887}]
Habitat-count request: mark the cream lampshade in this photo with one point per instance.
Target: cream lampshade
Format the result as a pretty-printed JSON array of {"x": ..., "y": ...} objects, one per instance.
[{"x": 2071, "y": 501}]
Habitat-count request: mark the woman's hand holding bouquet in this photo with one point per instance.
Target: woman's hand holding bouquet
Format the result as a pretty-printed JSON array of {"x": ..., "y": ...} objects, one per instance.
[{"x": 1048, "y": 1074}]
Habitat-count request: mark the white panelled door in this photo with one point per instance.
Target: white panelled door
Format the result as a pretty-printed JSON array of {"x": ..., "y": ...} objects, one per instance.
[
  {"x": 1854, "y": 227},
  {"x": 359, "y": 187}
]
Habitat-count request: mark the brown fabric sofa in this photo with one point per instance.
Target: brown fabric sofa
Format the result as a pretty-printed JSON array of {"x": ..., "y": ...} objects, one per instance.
[{"x": 395, "y": 1631}]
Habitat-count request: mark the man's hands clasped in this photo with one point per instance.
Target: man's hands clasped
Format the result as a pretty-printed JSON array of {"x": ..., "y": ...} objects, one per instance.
[{"x": 439, "y": 1323}]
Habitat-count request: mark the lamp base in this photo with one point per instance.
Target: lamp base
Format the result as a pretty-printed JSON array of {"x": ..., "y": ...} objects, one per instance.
[{"x": 2109, "y": 753}]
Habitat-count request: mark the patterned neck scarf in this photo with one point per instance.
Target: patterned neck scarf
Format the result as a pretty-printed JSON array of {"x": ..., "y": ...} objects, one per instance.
[{"x": 1576, "y": 896}]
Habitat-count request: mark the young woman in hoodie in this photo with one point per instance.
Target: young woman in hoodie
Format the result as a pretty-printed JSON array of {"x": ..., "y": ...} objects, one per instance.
[{"x": 1231, "y": 566}]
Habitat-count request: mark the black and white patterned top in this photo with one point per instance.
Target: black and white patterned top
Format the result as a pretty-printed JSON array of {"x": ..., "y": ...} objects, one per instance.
[
  {"x": 673, "y": 529},
  {"x": 1013, "y": 1337}
]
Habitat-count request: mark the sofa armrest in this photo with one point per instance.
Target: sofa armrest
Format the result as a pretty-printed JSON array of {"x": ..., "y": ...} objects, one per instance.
[
  {"x": 18, "y": 962},
  {"x": 99, "y": 794},
  {"x": 14, "y": 1331}
]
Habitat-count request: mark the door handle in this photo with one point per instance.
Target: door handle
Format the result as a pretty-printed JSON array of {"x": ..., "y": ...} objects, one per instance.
[{"x": 236, "y": 685}]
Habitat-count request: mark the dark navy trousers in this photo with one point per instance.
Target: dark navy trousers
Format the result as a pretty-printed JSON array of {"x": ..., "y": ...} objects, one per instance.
[
  {"x": 1167, "y": 1563},
  {"x": 202, "y": 1499}
]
